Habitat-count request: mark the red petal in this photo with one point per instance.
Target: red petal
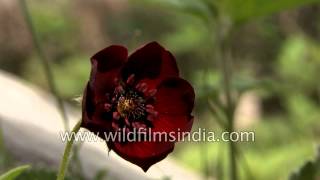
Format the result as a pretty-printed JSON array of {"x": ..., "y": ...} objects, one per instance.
[
  {"x": 106, "y": 65},
  {"x": 175, "y": 126},
  {"x": 91, "y": 115},
  {"x": 110, "y": 58},
  {"x": 175, "y": 96},
  {"x": 88, "y": 106},
  {"x": 142, "y": 154},
  {"x": 151, "y": 62}
]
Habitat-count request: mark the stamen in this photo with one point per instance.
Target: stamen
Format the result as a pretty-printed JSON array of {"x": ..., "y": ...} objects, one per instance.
[
  {"x": 121, "y": 98},
  {"x": 130, "y": 79},
  {"x": 139, "y": 125},
  {"x": 116, "y": 115},
  {"x": 155, "y": 113},
  {"x": 151, "y": 117},
  {"x": 119, "y": 89},
  {"x": 151, "y": 111},
  {"x": 127, "y": 130},
  {"x": 138, "y": 85},
  {"x": 115, "y": 126},
  {"x": 107, "y": 106},
  {"x": 142, "y": 86},
  {"x": 126, "y": 120},
  {"x": 128, "y": 105},
  {"x": 149, "y": 106},
  {"x": 144, "y": 90},
  {"x": 116, "y": 80},
  {"x": 152, "y": 92}
]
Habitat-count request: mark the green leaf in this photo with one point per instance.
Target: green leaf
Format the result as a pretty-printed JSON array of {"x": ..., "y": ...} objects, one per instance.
[
  {"x": 310, "y": 170},
  {"x": 239, "y": 11},
  {"x": 244, "y": 10},
  {"x": 13, "y": 173},
  {"x": 195, "y": 7},
  {"x": 41, "y": 174}
]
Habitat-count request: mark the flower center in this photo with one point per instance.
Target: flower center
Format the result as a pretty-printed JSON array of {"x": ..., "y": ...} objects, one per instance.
[
  {"x": 131, "y": 105},
  {"x": 125, "y": 106}
]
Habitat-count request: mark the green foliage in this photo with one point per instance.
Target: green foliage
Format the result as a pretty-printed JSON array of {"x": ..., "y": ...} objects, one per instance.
[
  {"x": 54, "y": 28},
  {"x": 245, "y": 10},
  {"x": 299, "y": 63},
  {"x": 39, "y": 174},
  {"x": 72, "y": 75},
  {"x": 280, "y": 159},
  {"x": 14, "y": 173},
  {"x": 310, "y": 170},
  {"x": 239, "y": 11},
  {"x": 5, "y": 156},
  {"x": 194, "y": 7},
  {"x": 197, "y": 36}
]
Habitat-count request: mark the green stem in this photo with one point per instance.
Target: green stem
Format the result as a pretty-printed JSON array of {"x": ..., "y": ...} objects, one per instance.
[
  {"x": 229, "y": 113},
  {"x": 224, "y": 55},
  {"x": 45, "y": 63},
  {"x": 66, "y": 153}
]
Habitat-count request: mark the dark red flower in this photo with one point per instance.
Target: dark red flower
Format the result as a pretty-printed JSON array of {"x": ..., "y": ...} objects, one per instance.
[{"x": 142, "y": 91}]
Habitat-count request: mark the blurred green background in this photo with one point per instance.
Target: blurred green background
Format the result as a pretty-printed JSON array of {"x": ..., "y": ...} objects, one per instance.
[{"x": 275, "y": 66}]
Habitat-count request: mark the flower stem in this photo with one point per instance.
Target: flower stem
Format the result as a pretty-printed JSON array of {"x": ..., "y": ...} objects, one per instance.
[
  {"x": 229, "y": 114},
  {"x": 66, "y": 153},
  {"x": 224, "y": 54},
  {"x": 44, "y": 61}
]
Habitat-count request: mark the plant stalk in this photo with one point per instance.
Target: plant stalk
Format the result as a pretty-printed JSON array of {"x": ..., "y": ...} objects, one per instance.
[
  {"x": 45, "y": 62},
  {"x": 224, "y": 55},
  {"x": 66, "y": 153},
  {"x": 229, "y": 113}
]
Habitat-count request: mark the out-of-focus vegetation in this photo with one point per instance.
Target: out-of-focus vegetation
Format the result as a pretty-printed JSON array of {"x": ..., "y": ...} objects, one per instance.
[{"x": 276, "y": 57}]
